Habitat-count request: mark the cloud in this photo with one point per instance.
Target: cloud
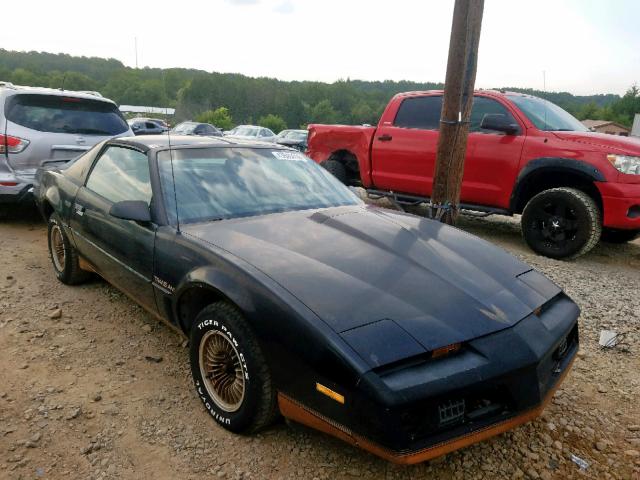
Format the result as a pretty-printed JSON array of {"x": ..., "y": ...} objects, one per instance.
[
  {"x": 242, "y": 2},
  {"x": 284, "y": 8}
]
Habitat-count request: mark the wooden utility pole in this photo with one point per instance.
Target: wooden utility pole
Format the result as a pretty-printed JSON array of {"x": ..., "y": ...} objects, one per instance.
[{"x": 456, "y": 109}]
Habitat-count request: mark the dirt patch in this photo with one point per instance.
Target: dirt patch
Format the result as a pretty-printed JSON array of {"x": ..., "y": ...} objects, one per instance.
[{"x": 79, "y": 398}]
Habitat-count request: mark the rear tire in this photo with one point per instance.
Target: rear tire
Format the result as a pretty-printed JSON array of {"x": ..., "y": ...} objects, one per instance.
[
  {"x": 614, "y": 235},
  {"x": 229, "y": 371},
  {"x": 337, "y": 169},
  {"x": 63, "y": 256},
  {"x": 561, "y": 223}
]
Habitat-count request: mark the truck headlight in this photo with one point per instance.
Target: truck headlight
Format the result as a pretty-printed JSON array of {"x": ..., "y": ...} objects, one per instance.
[{"x": 625, "y": 163}]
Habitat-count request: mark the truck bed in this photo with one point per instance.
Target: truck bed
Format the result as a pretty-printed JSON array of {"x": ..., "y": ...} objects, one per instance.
[{"x": 327, "y": 139}]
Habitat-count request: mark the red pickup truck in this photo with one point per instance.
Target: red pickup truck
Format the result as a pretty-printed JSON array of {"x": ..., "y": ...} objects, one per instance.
[{"x": 525, "y": 155}]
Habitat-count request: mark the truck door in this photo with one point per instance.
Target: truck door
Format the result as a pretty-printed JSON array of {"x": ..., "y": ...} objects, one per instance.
[
  {"x": 404, "y": 149},
  {"x": 121, "y": 250},
  {"x": 492, "y": 160}
]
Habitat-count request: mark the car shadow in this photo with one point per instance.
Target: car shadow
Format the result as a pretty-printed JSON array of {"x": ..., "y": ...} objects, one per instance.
[{"x": 22, "y": 214}]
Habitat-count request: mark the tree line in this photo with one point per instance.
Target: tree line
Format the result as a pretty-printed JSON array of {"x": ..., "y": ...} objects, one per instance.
[{"x": 277, "y": 104}]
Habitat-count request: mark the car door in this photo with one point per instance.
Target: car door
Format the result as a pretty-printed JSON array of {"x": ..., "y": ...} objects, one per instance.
[
  {"x": 492, "y": 158},
  {"x": 120, "y": 250},
  {"x": 404, "y": 151}
]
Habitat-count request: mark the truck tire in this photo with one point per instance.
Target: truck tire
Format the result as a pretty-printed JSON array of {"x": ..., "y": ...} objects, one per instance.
[
  {"x": 337, "y": 169},
  {"x": 561, "y": 223},
  {"x": 614, "y": 235},
  {"x": 63, "y": 256},
  {"x": 229, "y": 371}
]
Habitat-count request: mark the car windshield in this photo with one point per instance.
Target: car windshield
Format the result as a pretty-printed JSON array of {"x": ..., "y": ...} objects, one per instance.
[
  {"x": 246, "y": 131},
  {"x": 547, "y": 116},
  {"x": 184, "y": 128},
  {"x": 60, "y": 114},
  {"x": 222, "y": 183}
]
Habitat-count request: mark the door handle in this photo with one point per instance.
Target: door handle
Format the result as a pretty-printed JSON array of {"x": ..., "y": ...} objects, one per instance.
[
  {"x": 385, "y": 138},
  {"x": 79, "y": 209}
]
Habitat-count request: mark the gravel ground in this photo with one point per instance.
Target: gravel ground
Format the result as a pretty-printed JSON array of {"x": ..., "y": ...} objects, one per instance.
[{"x": 93, "y": 387}]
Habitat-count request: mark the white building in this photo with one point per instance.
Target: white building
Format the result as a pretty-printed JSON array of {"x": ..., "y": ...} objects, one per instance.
[{"x": 635, "y": 130}]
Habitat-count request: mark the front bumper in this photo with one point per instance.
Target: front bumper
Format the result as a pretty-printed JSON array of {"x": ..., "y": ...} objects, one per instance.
[
  {"x": 498, "y": 382},
  {"x": 621, "y": 205}
]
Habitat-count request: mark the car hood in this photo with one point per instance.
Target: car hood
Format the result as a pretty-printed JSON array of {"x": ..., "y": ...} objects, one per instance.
[
  {"x": 610, "y": 143},
  {"x": 358, "y": 266}
]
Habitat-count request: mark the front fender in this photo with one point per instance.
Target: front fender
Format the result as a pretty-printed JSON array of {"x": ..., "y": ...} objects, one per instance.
[{"x": 552, "y": 166}]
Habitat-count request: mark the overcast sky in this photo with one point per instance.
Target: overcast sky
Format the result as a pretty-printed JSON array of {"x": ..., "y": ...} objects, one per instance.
[{"x": 585, "y": 46}]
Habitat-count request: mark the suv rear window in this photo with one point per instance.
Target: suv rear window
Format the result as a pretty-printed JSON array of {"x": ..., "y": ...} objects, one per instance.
[{"x": 59, "y": 114}]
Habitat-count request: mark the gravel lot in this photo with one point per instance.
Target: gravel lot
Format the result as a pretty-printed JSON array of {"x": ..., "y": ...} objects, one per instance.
[{"x": 93, "y": 387}]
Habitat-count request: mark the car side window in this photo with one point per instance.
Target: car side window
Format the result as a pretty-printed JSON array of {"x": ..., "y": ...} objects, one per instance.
[
  {"x": 264, "y": 133},
  {"x": 121, "y": 174},
  {"x": 150, "y": 125},
  {"x": 487, "y": 106},
  {"x": 420, "y": 112}
]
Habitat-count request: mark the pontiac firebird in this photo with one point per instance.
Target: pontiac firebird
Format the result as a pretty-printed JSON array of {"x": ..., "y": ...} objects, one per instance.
[{"x": 395, "y": 333}]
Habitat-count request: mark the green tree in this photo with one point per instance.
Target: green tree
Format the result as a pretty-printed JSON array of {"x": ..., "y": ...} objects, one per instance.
[
  {"x": 220, "y": 117},
  {"x": 272, "y": 122},
  {"x": 590, "y": 112},
  {"x": 362, "y": 113},
  {"x": 322, "y": 112}
]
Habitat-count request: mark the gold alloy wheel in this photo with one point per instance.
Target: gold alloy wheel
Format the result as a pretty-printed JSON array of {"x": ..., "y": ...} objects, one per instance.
[
  {"x": 221, "y": 370},
  {"x": 58, "y": 251}
]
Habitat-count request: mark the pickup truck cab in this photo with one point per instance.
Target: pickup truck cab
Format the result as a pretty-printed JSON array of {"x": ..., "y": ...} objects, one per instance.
[{"x": 525, "y": 155}]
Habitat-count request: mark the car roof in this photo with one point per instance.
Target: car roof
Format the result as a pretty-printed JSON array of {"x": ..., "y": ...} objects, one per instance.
[
  {"x": 490, "y": 92},
  {"x": 11, "y": 89},
  {"x": 160, "y": 142}
]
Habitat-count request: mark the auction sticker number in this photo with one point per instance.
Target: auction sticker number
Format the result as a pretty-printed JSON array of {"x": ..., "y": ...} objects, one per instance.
[{"x": 293, "y": 156}]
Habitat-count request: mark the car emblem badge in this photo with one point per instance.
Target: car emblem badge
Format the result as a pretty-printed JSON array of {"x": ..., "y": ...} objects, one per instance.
[{"x": 80, "y": 140}]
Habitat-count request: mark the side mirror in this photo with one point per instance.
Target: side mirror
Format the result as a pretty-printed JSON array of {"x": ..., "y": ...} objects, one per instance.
[
  {"x": 499, "y": 123},
  {"x": 135, "y": 210}
]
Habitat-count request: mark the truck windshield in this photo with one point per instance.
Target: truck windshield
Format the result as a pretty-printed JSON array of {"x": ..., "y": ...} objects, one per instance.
[
  {"x": 225, "y": 182},
  {"x": 546, "y": 115}
]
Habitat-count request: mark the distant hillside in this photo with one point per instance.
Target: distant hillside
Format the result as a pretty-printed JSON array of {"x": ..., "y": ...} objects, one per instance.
[{"x": 193, "y": 91}]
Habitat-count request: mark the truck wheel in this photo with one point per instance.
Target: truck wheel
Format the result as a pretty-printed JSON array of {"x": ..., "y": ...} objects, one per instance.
[
  {"x": 63, "y": 256},
  {"x": 614, "y": 235},
  {"x": 561, "y": 223},
  {"x": 336, "y": 169},
  {"x": 230, "y": 373}
]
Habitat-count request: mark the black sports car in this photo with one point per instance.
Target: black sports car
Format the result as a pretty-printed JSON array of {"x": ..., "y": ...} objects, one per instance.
[{"x": 398, "y": 334}]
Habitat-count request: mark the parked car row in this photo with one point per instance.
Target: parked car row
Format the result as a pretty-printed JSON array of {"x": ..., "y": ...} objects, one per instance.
[{"x": 151, "y": 126}]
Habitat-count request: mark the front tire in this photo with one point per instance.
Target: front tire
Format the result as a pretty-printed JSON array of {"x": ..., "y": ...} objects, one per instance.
[
  {"x": 614, "y": 235},
  {"x": 229, "y": 371},
  {"x": 561, "y": 223},
  {"x": 63, "y": 256}
]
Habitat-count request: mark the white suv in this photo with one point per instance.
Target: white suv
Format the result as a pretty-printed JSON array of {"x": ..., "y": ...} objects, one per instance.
[{"x": 43, "y": 125}]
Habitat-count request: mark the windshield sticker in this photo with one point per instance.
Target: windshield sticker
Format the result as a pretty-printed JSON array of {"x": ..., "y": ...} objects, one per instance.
[{"x": 284, "y": 155}]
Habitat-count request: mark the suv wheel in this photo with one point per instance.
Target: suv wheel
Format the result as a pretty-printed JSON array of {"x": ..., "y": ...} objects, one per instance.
[
  {"x": 63, "y": 256},
  {"x": 614, "y": 235},
  {"x": 561, "y": 223},
  {"x": 229, "y": 370},
  {"x": 337, "y": 169}
]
